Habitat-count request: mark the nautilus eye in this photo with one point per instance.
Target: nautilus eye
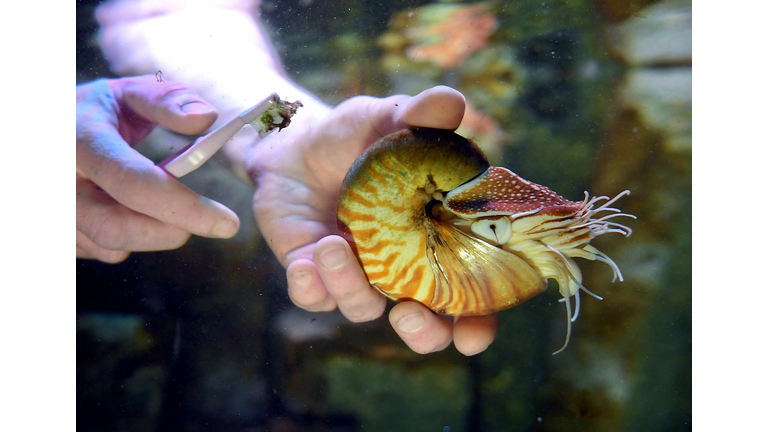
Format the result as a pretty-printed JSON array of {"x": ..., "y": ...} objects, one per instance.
[
  {"x": 431, "y": 221},
  {"x": 495, "y": 230}
]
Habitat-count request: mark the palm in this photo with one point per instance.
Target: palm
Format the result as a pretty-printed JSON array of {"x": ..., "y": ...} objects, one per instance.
[{"x": 298, "y": 177}]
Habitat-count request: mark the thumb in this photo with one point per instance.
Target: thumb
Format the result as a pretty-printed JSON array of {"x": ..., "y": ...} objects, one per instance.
[
  {"x": 439, "y": 107},
  {"x": 172, "y": 105}
]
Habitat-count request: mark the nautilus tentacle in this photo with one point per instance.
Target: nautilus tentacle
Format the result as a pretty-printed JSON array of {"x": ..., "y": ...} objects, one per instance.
[{"x": 430, "y": 221}]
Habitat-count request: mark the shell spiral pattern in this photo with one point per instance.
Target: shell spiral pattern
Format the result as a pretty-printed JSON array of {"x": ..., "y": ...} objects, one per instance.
[{"x": 431, "y": 221}]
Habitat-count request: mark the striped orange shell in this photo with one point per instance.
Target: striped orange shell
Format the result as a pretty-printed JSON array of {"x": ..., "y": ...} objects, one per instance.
[{"x": 402, "y": 237}]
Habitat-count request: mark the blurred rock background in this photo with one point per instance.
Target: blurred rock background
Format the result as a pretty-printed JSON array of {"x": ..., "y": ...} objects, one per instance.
[{"x": 576, "y": 95}]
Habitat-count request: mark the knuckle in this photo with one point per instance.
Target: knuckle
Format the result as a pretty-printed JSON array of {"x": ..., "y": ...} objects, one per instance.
[{"x": 172, "y": 91}]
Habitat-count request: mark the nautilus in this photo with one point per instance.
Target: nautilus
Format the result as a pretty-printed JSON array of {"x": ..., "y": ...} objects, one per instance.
[{"x": 431, "y": 221}]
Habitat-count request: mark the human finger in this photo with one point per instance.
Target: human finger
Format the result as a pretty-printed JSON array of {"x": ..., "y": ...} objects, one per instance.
[
  {"x": 363, "y": 119},
  {"x": 114, "y": 227},
  {"x": 90, "y": 250},
  {"x": 135, "y": 182},
  {"x": 473, "y": 335},
  {"x": 170, "y": 104},
  {"x": 440, "y": 107},
  {"x": 345, "y": 280},
  {"x": 423, "y": 331},
  {"x": 306, "y": 289}
]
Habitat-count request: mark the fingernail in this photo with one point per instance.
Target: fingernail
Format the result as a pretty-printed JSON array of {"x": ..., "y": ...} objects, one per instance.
[
  {"x": 411, "y": 323},
  {"x": 196, "y": 108},
  {"x": 225, "y": 228},
  {"x": 333, "y": 258},
  {"x": 302, "y": 278}
]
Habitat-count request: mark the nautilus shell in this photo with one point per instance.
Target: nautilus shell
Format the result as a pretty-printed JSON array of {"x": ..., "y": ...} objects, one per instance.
[{"x": 431, "y": 221}]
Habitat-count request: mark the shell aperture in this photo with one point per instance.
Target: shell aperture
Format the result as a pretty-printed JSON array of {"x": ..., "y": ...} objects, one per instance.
[{"x": 431, "y": 221}]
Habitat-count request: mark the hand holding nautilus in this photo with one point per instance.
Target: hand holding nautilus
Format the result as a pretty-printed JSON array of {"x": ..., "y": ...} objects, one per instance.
[
  {"x": 432, "y": 222},
  {"x": 298, "y": 173}
]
